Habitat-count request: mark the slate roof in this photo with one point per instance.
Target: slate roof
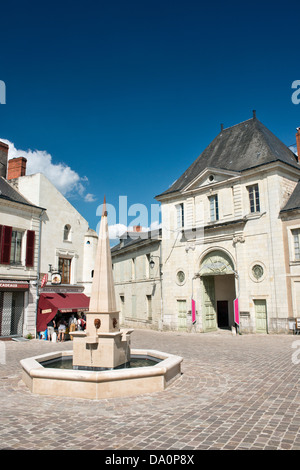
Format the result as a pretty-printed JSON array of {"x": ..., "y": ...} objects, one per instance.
[
  {"x": 130, "y": 239},
  {"x": 294, "y": 200},
  {"x": 241, "y": 147},
  {"x": 8, "y": 193}
]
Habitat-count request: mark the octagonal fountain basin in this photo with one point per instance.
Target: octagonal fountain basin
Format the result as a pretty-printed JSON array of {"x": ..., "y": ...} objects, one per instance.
[{"x": 52, "y": 374}]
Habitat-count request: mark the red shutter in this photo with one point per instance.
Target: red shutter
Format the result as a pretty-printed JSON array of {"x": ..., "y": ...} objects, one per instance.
[
  {"x": 30, "y": 248},
  {"x": 6, "y": 244},
  {"x": 1, "y": 233}
]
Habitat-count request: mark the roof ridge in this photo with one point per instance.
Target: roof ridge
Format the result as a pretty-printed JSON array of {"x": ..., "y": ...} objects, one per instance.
[{"x": 235, "y": 125}]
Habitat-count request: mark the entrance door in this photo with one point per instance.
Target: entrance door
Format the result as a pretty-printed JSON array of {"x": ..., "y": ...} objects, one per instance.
[
  {"x": 182, "y": 314},
  {"x": 11, "y": 313},
  {"x": 260, "y": 316},
  {"x": 222, "y": 313},
  {"x": 210, "y": 318}
]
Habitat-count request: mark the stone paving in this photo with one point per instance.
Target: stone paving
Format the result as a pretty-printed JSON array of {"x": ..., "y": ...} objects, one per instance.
[{"x": 235, "y": 392}]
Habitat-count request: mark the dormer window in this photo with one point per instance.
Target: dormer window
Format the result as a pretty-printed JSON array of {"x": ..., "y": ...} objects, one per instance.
[{"x": 67, "y": 233}]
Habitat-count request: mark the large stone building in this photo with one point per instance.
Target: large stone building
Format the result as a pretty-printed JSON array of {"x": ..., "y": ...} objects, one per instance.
[
  {"x": 64, "y": 248},
  {"x": 137, "y": 276},
  {"x": 68, "y": 244},
  {"x": 230, "y": 230},
  {"x": 20, "y": 228}
]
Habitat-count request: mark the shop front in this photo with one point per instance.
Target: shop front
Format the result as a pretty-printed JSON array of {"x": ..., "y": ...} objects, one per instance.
[
  {"x": 13, "y": 297},
  {"x": 60, "y": 306}
]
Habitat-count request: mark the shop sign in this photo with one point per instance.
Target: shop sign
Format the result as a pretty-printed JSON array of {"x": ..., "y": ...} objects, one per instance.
[
  {"x": 47, "y": 310},
  {"x": 55, "y": 278},
  {"x": 13, "y": 285}
]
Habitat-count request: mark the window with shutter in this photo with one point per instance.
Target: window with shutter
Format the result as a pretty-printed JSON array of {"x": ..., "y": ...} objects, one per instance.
[{"x": 30, "y": 248}]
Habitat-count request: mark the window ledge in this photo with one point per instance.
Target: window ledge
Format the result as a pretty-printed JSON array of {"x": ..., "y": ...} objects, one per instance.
[
  {"x": 254, "y": 215},
  {"x": 295, "y": 262}
]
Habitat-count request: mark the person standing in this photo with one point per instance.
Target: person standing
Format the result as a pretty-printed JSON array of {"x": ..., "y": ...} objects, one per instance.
[
  {"x": 61, "y": 330},
  {"x": 72, "y": 325},
  {"x": 50, "y": 328}
]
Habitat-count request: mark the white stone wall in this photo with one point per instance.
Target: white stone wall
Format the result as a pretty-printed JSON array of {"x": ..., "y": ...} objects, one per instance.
[
  {"x": 40, "y": 191},
  {"x": 22, "y": 218},
  {"x": 138, "y": 287},
  {"x": 259, "y": 241}
]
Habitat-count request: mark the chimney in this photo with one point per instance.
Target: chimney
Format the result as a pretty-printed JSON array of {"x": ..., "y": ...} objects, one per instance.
[
  {"x": 137, "y": 228},
  {"x": 3, "y": 159},
  {"x": 16, "y": 168},
  {"x": 298, "y": 142}
]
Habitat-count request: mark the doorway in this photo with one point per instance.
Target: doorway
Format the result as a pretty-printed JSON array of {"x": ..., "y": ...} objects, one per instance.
[
  {"x": 217, "y": 276},
  {"x": 222, "y": 313},
  {"x": 261, "y": 316}
]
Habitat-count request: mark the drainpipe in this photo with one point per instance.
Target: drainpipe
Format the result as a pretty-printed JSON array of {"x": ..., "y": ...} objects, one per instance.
[
  {"x": 161, "y": 287},
  {"x": 38, "y": 269}
]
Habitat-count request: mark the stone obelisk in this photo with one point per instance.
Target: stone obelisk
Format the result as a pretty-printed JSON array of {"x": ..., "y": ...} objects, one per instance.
[{"x": 102, "y": 345}]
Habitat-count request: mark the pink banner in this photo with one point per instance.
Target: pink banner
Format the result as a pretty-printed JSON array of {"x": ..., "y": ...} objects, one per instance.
[
  {"x": 193, "y": 311},
  {"x": 236, "y": 311}
]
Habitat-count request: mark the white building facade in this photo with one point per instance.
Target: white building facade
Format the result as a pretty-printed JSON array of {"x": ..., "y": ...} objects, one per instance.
[
  {"x": 20, "y": 224},
  {"x": 68, "y": 245},
  {"x": 137, "y": 275},
  {"x": 229, "y": 236},
  {"x": 41, "y": 234}
]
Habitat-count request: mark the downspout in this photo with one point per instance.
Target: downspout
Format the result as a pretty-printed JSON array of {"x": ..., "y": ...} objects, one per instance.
[
  {"x": 161, "y": 287},
  {"x": 38, "y": 269}
]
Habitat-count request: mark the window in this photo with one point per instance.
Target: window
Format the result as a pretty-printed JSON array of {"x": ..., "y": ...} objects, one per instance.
[
  {"x": 15, "y": 247},
  {"x": 296, "y": 235},
  {"x": 149, "y": 307},
  {"x": 133, "y": 269},
  {"x": 180, "y": 215},
  {"x": 133, "y": 306},
  {"x": 67, "y": 233},
  {"x": 214, "y": 208},
  {"x": 64, "y": 267},
  {"x": 254, "y": 198},
  {"x": 11, "y": 246}
]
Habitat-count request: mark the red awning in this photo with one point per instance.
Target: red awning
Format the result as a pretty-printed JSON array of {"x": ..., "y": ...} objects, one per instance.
[{"x": 50, "y": 303}]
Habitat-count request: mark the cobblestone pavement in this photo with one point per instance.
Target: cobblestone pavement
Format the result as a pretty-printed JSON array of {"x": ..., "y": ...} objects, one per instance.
[{"x": 235, "y": 392}]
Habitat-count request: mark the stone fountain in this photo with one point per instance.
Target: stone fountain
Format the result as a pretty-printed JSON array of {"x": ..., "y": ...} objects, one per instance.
[
  {"x": 102, "y": 345},
  {"x": 101, "y": 354}
]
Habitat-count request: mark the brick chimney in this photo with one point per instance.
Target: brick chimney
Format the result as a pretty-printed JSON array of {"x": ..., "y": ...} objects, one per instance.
[
  {"x": 298, "y": 142},
  {"x": 3, "y": 159},
  {"x": 137, "y": 228},
  {"x": 16, "y": 168}
]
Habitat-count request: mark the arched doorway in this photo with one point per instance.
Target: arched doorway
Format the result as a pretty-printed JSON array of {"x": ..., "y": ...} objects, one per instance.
[{"x": 217, "y": 275}]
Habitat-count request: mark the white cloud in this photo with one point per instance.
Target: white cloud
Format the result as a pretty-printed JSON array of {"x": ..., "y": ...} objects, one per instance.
[
  {"x": 89, "y": 197},
  {"x": 116, "y": 230},
  {"x": 293, "y": 148},
  {"x": 66, "y": 180}
]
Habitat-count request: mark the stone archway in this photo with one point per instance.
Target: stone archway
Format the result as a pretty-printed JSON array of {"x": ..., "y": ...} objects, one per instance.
[{"x": 217, "y": 275}]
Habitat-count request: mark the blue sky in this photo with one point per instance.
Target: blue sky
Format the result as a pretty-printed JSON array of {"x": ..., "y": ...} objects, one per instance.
[{"x": 122, "y": 96}]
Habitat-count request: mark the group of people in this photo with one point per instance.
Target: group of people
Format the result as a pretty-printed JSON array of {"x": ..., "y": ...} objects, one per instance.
[{"x": 75, "y": 323}]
